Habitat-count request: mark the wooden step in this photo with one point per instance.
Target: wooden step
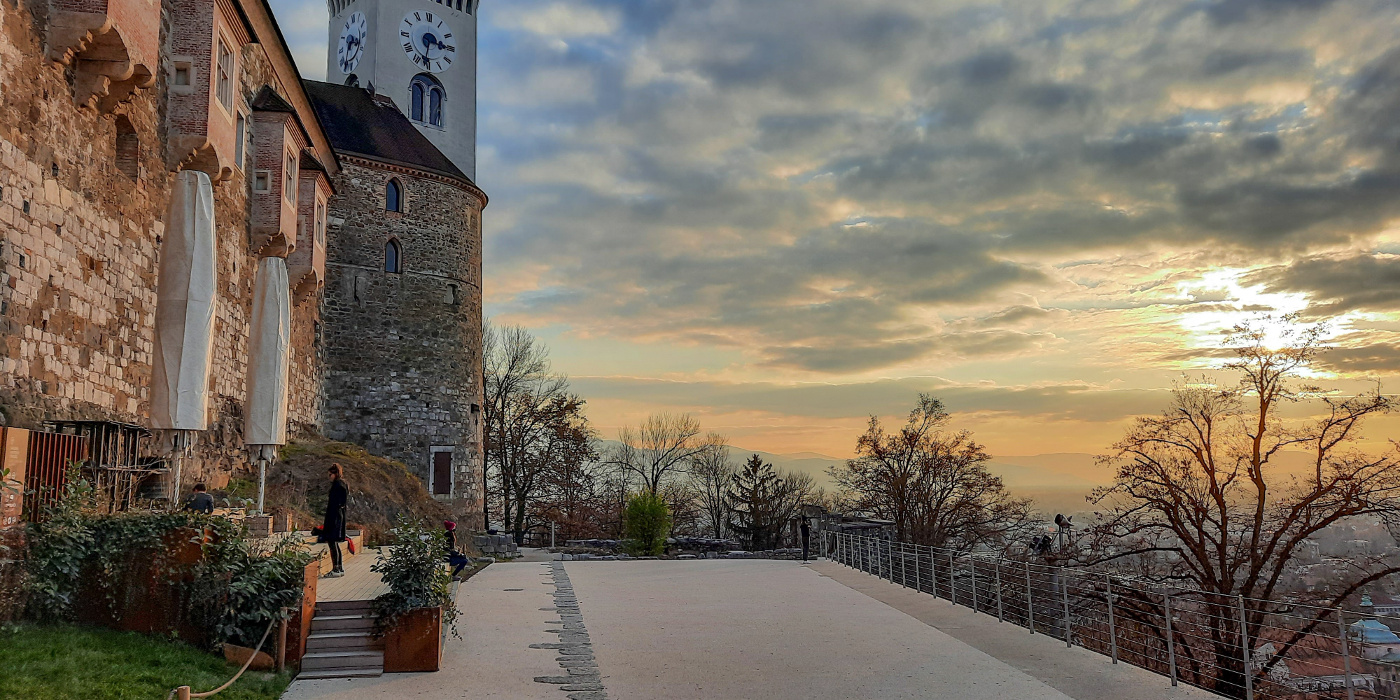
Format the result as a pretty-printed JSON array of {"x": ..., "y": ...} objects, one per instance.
[
  {"x": 343, "y": 641},
  {"x": 343, "y": 660},
  {"x": 342, "y": 623},
  {"x": 344, "y": 607},
  {"x": 340, "y": 673}
]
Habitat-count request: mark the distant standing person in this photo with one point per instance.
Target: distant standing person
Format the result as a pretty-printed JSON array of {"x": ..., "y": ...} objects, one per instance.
[
  {"x": 200, "y": 502},
  {"x": 333, "y": 528},
  {"x": 806, "y": 536}
]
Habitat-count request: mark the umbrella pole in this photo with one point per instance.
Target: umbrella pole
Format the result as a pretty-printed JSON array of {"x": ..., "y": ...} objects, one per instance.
[
  {"x": 262, "y": 482},
  {"x": 175, "y": 486}
]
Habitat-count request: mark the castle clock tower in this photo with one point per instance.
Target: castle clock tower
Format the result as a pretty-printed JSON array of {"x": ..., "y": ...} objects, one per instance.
[{"x": 419, "y": 53}]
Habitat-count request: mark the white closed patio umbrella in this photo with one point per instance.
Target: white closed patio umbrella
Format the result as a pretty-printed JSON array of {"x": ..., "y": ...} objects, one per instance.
[
  {"x": 269, "y": 347},
  {"x": 184, "y": 329}
]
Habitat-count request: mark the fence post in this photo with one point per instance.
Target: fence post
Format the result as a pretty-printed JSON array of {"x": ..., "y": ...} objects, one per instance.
[
  {"x": 952, "y": 578},
  {"x": 1346, "y": 655},
  {"x": 1030, "y": 601},
  {"x": 972, "y": 561},
  {"x": 903, "y": 564},
  {"x": 1064, "y": 592},
  {"x": 1001, "y": 617},
  {"x": 889, "y": 560},
  {"x": 916, "y": 569},
  {"x": 1171, "y": 636},
  {"x": 1246, "y": 652},
  {"x": 1112, "y": 627}
]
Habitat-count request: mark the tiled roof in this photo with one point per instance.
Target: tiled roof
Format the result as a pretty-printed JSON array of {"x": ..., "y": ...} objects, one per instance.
[{"x": 360, "y": 124}]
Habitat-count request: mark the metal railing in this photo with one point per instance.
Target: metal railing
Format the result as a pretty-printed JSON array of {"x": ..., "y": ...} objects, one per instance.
[{"x": 1287, "y": 651}]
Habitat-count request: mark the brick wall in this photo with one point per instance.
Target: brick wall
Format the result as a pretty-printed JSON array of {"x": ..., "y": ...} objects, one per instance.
[{"x": 403, "y": 351}]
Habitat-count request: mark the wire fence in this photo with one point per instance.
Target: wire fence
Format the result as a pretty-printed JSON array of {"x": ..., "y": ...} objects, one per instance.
[{"x": 1234, "y": 646}]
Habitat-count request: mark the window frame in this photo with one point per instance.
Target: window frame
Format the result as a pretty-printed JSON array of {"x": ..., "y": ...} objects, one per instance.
[
  {"x": 224, "y": 76},
  {"x": 240, "y": 136},
  {"x": 289, "y": 188},
  {"x": 421, "y": 90},
  {"x": 397, "y": 267},
  {"x": 433, "y": 451},
  {"x": 396, "y": 186},
  {"x": 435, "y": 110}
]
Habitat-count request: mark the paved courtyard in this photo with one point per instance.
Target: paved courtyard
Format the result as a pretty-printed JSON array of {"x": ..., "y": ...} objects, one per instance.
[{"x": 768, "y": 630}]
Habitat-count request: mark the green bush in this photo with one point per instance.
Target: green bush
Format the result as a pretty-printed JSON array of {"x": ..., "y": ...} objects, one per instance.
[
  {"x": 647, "y": 522},
  {"x": 413, "y": 569},
  {"x": 235, "y": 590}
]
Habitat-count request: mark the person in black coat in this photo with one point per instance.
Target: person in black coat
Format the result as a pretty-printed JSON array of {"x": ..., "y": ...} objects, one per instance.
[
  {"x": 201, "y": 501},
  {"x": 333, "y": 527}
]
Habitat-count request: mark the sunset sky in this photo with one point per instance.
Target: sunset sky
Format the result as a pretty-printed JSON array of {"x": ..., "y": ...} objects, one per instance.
[{"x": 784, "y": 216}]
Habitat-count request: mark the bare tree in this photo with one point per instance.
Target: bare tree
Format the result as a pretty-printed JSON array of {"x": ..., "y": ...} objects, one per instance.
[
  {"x": 524, "y": 401},
  {"x": 932, "y": 484},
  {"x": 1201, "y": 484},
  {"x": 709, "y": 473},
  {"x": 661, "y": 446}
]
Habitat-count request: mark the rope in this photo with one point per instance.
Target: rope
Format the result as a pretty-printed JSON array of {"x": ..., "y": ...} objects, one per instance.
[{"x": 236, "y": 676}]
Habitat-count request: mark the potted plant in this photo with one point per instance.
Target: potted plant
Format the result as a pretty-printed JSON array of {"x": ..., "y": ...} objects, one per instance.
[{"x": 418, "y": 605}]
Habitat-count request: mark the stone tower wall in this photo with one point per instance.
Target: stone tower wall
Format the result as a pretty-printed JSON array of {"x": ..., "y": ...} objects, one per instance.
[{"x": 403, "y": 350}]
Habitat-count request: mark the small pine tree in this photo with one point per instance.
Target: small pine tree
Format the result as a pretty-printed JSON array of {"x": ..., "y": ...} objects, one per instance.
[
  {"x": 753, "y": 502},
  {"x": 647, "y": 521}
]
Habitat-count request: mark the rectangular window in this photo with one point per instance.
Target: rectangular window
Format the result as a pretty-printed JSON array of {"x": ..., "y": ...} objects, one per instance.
[
  {"x": 262, "y": 181},
  {"x": 290, "y": 190},
  {"x": 239, "y": 137},
  {"x": 182, "y": 73},
  {"x": 320, "y": 224},
  {"x": 223, "y": 76}
]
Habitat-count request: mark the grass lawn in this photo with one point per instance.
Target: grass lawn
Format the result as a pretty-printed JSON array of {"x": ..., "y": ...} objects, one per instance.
[{"x": 90, "y": 663}]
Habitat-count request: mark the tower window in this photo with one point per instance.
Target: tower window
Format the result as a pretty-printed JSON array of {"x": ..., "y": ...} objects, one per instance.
[
  {"x": 393, "y": 256},
  {"x": 425, "y": 100},
  {"x": 393, "y": 196},
  {"x": 240, "y": 137},
  {"x": 224, "y": 76},
  {"x": 289, "y": 190},
  {"x": 352, "y": 80}
]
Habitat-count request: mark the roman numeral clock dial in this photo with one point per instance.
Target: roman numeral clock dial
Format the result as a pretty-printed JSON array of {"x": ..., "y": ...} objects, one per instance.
[
  {"x": 427, "y": 41},
  {"x": 352, "y": 42}
]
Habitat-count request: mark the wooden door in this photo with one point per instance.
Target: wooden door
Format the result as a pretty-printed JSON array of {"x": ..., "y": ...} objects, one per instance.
[{"x": 442, "y": 473}]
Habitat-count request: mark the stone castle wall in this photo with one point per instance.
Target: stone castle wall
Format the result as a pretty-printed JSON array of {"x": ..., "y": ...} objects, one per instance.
[
  {"x": 78, "y": 269},
  {"x": 403, "y": 350}
]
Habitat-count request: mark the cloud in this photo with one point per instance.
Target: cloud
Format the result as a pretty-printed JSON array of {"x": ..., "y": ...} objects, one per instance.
[
  {"x": 832, "y": 186},
  {"x": 556, "y": 19},
  {"x": 895, "y": 397},
  {"x": 1337, "y": 284}
]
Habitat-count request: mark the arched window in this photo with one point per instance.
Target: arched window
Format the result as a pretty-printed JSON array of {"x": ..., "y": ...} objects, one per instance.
[
  {"x": 352, "y": 80},
  {"x": 393, "y": 256},
  {"x": 393, "y": 196},
  {"x": 425, "y": 98}
]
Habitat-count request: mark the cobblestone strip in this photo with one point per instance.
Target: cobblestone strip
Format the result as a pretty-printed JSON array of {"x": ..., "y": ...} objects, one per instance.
[{"x": 581, "y": 680}]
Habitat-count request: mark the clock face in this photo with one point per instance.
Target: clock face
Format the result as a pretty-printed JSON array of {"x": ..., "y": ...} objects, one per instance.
[
  {"x": 352, "y": 42},
  {"x": 427, "y": 41}
]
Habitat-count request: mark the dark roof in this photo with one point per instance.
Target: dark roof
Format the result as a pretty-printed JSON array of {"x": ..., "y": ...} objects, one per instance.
[
  {"x": 358, "y": 124},
  {"x": 310, "y": 162},
  {"x": 267, "y": 100}
]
